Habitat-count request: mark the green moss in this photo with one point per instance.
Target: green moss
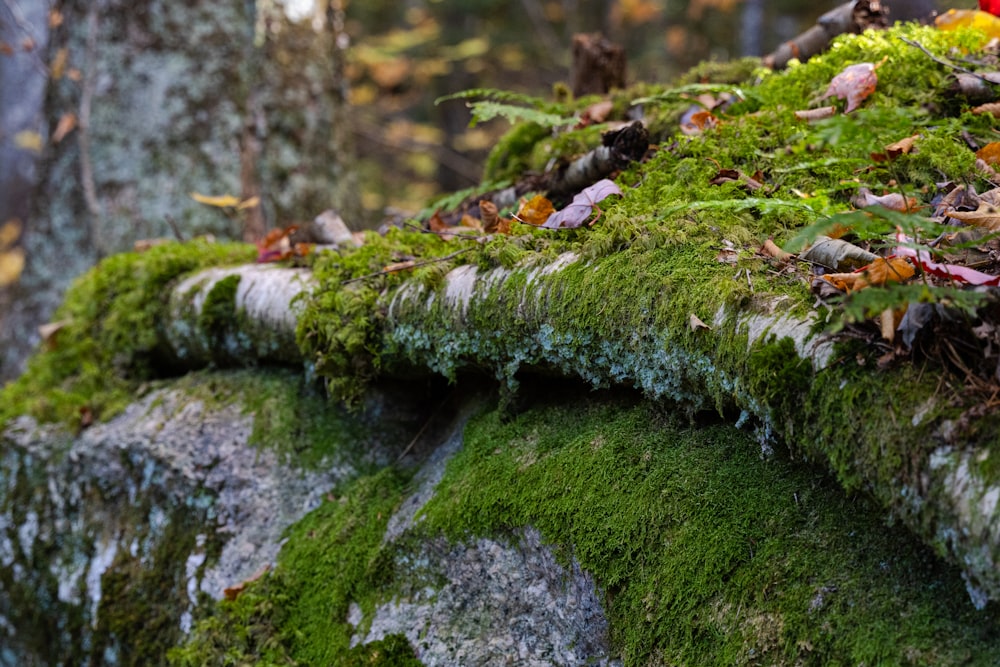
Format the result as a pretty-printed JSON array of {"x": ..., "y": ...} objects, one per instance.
[
  {"x": 110, "y": 342},
  {"x": 709, "y": 555},
  {"x": 297, "y": 614},
  {"x": 393, "y": 651},
  {"x": 218, "y": 317}
]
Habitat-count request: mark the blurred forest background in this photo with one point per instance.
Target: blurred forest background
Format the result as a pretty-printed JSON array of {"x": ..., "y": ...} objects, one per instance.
[{"x": 123, "y": 122}]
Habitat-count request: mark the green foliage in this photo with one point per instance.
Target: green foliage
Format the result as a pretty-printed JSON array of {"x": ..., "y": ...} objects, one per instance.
[
  {"x": 110, "y": 341},
  {"x": 514, "y": 107}
]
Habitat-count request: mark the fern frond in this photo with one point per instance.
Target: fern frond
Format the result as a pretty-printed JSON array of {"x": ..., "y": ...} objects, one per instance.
[{"x": 484, "y": 111}]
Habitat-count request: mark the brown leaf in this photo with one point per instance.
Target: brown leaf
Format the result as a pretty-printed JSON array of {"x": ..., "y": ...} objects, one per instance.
[
  {"x": 697, "y": 120},
  {"x": 895, "y": 149},
  {"x": 879, "y": 272},
  {"x": 489, "y": 214},
  {"x": 6, "y": 49},
  {"x": 695, "y": 323},
  {"x": 986, "y": 216},
  {"x": 234, "y": 591},
  {"x": 535, "y": 211},
  {"x": 771, "y": 249},
  {"x": 893, "y": 201},
  {"x": 55, "y": 18},
  {"x": 49, "y": 332},
  {"x": 855, "y": 83},
  {"x": 992, "y": 108},
  {"x": 66, "y": 124}
]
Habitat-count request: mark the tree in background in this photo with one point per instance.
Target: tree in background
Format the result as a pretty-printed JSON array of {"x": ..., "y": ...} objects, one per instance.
[{"x": 129, "y": 107}]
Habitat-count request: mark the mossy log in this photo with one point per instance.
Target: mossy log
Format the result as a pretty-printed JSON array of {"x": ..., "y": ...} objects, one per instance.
[{"x": 609, "y": 322}]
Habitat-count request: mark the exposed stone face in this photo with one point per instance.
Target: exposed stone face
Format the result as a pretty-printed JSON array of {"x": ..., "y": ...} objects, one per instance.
[{"x": 168, "y": 499}]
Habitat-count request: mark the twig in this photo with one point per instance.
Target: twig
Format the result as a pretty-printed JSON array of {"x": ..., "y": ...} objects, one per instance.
[
  {"x": 423, "y": 428},
  {"x": 449, "y": 234},
  {"x": 175, "y": 228},
  {"x": 425, "y": 262},
  {"x": 83, "y": 136},
  {"x": 941, "y": 61}
]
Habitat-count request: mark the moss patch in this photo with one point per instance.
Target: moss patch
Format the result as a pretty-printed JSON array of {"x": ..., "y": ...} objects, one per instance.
[
  {"x": 709, "y": 555},
  {"x": 110, "y": 342}
]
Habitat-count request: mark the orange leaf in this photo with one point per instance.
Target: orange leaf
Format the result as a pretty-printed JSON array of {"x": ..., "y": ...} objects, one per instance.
[
  {"x": 771, "y": 249},
  {"x": 894, "y": 150},
  {"x": 535, "y": 211},
  {"x": 990, "y": 153},
  {"x": 66, "y": 124},
  {"x": 58, "y": 65}
]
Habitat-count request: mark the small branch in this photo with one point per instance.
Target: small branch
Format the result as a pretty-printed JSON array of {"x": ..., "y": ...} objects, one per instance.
[
  {"x": 412, "y": 266},
  {"x": 83, "y": 136},
  {"x": 941, "y": 61}
]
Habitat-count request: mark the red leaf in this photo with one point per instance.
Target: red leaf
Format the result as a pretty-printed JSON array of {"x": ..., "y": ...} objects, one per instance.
[
  {"x": 954, "y": 272},
  {"x": 854, "y": 84},
  {"x": 582, "y": 205}
]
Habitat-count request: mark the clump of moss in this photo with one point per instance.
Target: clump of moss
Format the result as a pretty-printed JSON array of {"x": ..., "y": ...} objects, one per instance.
[
  {"x": 339, "y": 329},
  {"x": 297, "y": 614},
  {"x": 709, "y": 555},
  {"x": 110, "y": 339}
]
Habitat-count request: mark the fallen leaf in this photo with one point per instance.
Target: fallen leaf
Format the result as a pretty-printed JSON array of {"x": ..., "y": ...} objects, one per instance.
[
  {"x": 248, "y": 203},
  {"x": 582, "y": 206},
  {"x": 695, "y": 323},
  {"x": 854, "y": 84},
  {"x": 992, "y": 108},
  {"x": 990, "y": 153},
  {"x": 895, "y": 149},
  {"x": 752, "y": 183},
  {"x": 986, "y": 216},
  {"x": 142, "y": 245},
  {"x": 55, "y": 18},
  {"x": 535, "y": 211},
  {"x": 86, "y": 416},
  {"x": 10, "y": 231},
  {"x": 771, "y": 249},
  {"x": 58, "y": 66},
  {"x": 893, "y": 201},
  {"x": 220, "y": 201},
  {"x": 6, "y": 49},
  {"x": 489, "y": 215},
  {"x": 276, "y": 246},
  {"x": 834, "y": 253},
  {"x": 29, "y": 140},
  {"x": 233, "y": 592},
  {"x": 49, "y": 332},
  {"x": 696, "y": 120},
  {"x": 66, "y": 124},
  {"x": 728, "y": 254},
  {"x": 11, "y": 266},
  {"x": 954, "y": 272}
]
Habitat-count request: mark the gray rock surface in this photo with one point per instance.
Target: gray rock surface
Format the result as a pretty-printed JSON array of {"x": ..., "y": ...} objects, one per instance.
[{"x": 166, "y": 473}]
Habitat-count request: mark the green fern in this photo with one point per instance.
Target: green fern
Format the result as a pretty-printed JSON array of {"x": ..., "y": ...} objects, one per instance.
[{"x": 514, "y": 107}]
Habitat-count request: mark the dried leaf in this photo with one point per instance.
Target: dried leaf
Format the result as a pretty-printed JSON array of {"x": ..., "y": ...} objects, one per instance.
[
  {"x": 489, "y": 215},
  {"x": 990, "y": 153},
  {"x": 895, "y": 149},
  {"x": 752, "y": 183},
  {"x": 696, "y": 120},
  {"x": 854, "y": 84},
  {"x": 250, "y": 202},
  {"x": 992, "y": 108},
  {"x": 695, "y": 323},
  {"x": 142, "y": 245},
  {"x": 986, "y": 216},
  {"x": 66, "y": 124},
  {"x": 582, "y": 206},
  {"x": 893, "y": 201},
  {"x": 771, "y": 249},
  {"x": 49, "y": 332},
  {"x": 835, "y": 252},
  {"x": 233, "y": 592},
  {"x": 10, "y": 231},
  {"x": 276, "y": 246},
  {"x": 55, "y": 18},
  {"x": 535, "y": 211}
]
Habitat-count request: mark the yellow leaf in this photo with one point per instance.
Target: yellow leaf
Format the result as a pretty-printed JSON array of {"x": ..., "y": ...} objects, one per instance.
[
  {"x": 221, "y": 201},
  {"x": 535, "y": 211},
  {"x": 248, "y": 203},
  {"x": 9, "y": 232},
  {"x": 29, "y": 140},
  {"x": 58, "y": 66},
  {"x": 11, "y": 265}
]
